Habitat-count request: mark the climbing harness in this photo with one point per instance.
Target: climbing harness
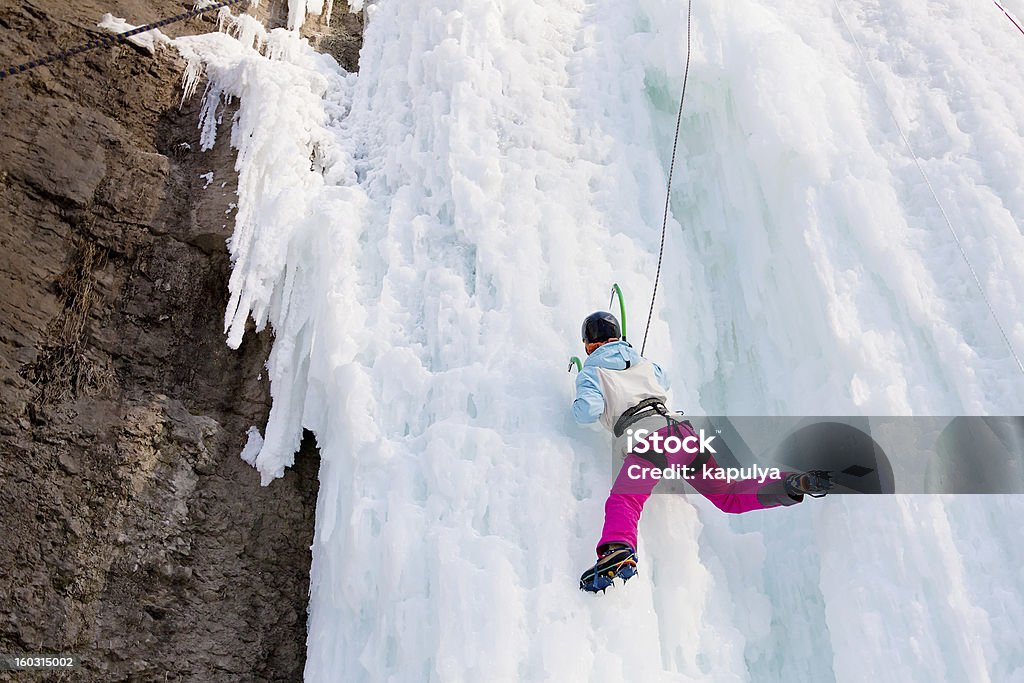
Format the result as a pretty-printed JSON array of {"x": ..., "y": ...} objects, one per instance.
[
  {"x": 671, "y": 168},
  {"x": 112, "y": 39},
  {"x": 649, "y": 407},
  {"x": 920, "y": 168}
]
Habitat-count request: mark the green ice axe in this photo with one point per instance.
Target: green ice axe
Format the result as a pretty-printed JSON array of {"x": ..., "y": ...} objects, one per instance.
[{"x": 617, "y": 291}]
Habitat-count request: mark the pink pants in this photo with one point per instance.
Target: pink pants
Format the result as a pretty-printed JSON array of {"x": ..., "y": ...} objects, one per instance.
[{"x": 634, "y": 484}]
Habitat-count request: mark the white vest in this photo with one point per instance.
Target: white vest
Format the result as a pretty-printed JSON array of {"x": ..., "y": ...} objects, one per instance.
[{"x": 623, "y": 389}]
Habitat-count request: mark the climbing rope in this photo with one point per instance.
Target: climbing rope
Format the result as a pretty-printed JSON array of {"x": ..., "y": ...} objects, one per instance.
[
  {"x": 1014, "y": 21},
  {"x": 671, "y": 168},
  {"x": 112, "y": 39},
  {"x": 942, "y": 210}
]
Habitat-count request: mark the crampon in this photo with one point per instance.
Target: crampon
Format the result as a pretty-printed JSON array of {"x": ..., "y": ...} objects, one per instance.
[{"x": 617, "y": 561}]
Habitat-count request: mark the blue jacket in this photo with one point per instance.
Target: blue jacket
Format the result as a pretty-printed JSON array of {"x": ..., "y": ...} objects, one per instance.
[{"x": 590, "y": 401}]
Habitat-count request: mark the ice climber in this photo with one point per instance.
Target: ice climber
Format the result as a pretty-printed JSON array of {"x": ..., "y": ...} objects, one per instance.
[{"x": 626, "y": 392}]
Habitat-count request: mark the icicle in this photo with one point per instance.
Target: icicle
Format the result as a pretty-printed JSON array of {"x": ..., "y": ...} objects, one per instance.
[
  {"x": 190, "y": 79},
  {"x": 249, "y": 31},
  {"x": 296, "y": 14}
]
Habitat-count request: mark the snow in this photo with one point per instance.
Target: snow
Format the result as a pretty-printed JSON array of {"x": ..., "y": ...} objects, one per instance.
[
  {"x": 147, "y": 40},
  {"x": 253, "y": 445},
  {"x": 424, "y": 237}
]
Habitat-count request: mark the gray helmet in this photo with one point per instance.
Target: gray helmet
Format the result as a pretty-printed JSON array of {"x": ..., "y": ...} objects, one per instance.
[{"x": 600, "y": 326}]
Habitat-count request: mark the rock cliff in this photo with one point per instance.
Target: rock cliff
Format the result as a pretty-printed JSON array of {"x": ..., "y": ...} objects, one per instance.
[{"x": 132, "y": 533}]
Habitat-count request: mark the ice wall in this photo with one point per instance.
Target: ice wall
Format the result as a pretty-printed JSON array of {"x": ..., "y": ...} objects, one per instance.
[{"x": 424, "y": 237}]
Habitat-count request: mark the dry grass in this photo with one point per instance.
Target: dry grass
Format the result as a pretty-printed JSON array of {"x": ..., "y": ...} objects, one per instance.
[{"x": 63, "y": 370}]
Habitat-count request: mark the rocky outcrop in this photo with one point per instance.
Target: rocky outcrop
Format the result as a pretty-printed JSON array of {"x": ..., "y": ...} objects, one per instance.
[{"x": 132, "y": 533}]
